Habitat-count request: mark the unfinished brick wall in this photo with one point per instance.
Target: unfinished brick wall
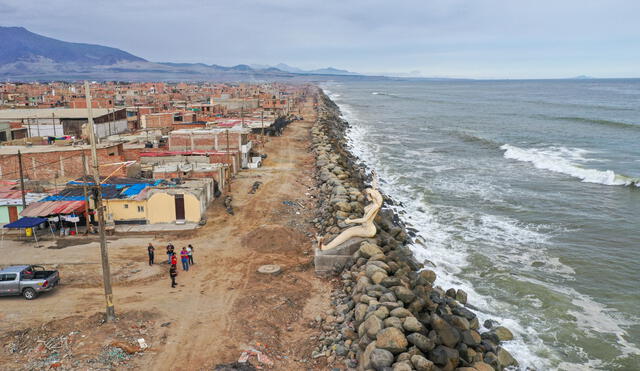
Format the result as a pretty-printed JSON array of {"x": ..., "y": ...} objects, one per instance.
[
  {"x": 62, "y": 164},
  {"x": 133, "y": 154},
  {"x": 159, "y": 120}
]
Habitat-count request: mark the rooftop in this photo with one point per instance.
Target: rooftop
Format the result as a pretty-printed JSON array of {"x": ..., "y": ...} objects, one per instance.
[
  {"x": 42, "y": 113},
  {"x": 13, "y": 150}
]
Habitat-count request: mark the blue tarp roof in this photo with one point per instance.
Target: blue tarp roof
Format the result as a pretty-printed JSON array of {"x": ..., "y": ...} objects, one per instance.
[{"x": 26, "y": 222}]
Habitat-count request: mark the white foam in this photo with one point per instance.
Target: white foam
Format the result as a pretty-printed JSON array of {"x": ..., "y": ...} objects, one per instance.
[{"x": 565, "y": 161}]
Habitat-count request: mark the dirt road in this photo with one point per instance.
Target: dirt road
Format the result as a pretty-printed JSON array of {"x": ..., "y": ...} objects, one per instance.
[{"x": 222, "y": 304}]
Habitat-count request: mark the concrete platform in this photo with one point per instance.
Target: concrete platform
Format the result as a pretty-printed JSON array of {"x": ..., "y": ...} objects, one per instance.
[{"x": 334, "y": 260}]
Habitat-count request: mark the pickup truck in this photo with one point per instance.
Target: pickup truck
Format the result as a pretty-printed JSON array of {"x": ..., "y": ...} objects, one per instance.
[{"x": 27, "y": 280}]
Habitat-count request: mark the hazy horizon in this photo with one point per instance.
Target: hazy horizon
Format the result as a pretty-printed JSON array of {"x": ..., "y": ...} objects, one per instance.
[{"x": 461, "y": 38}]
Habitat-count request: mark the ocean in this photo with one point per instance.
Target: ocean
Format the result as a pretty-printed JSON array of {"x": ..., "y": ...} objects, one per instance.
[{"x": 526, "y": 194}]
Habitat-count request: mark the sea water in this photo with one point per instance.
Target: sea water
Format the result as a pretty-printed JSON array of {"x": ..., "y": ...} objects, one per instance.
[{"x": 524, "y": 193}]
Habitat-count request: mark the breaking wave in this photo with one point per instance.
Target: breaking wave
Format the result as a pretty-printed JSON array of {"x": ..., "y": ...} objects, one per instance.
[{"x": 564, "y": 160}]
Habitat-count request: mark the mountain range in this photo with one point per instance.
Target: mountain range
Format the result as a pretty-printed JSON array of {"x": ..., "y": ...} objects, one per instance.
[{"x": 25, "y": 55}]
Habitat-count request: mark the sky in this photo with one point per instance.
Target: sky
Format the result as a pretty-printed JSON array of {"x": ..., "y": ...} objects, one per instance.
[{"x": 430, "y": 38}]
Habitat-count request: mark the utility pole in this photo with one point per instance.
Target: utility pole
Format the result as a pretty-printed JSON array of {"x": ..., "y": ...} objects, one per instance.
[
  {"x": 262, "y": 123},
  {"x": 229, "y": 162},
  {"x": 24, "y": 202},
  {"x": 106, "y": 270},
  {"x": 84, "y": 189},
  {"x": 53, "y": 121},
  {"x": 242, "y": 112}
]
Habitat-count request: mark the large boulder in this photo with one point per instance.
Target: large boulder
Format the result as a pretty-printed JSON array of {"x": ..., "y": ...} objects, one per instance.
[
  {"x": 411, "y": 324},
  {"x": 392, "y": 339},
  {"x": 449, "y": 335},
  {"x": 404, "y": 294},
  {"x": 461, "y": 296},
  {"x": 428, "y": 276},
  {"x": 370, "y": 269},
  {"x": 360, "y": 312},
  {"x": 498, "y": 334},
  {"x": 371, "y": 326},
  {"x": 391, "y": 281},
  {"x": 402, "y": 366},
  {"x": 421, "y": 342},
  {"x": 471, "y": 338},
  {"x": 365, "y": 357},
  {"x": 481, "y": 366},
  {"x": 393, "y": 322},
  {"x": 446, "y": 357},
  {"x": 505, "y": 359},
  {"x": 381, "y": 358},
  {"x": 460, "y": 322},
  {"x": 378, "y": 277},
  {"x": 368, "y": 250},
  {"x": 422, "y": 364},
  {"x": 401, "y": 313},
  {"x": 343, "y": 206}
]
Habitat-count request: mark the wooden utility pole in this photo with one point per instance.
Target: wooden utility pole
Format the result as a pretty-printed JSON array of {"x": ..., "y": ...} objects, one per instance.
[
  {"x": 229, "y": 162},
  {"x": 37, "y": 124},
  {"x": 106, "y": 270},
  {"x": 24, "y": 202},
  {"x": 86, "y": 193},
  {"x": 262, "y": 123}
]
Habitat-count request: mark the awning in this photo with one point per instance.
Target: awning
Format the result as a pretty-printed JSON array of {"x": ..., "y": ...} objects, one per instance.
[
  {"x": 47, "y": 208},
  {"x": 26, "y": 222}
]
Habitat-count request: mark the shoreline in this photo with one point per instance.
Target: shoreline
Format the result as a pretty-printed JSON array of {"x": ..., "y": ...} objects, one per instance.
[{"x": 383, "y": 285}]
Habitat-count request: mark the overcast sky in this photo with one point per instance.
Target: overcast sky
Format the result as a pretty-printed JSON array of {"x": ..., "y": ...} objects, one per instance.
[{"x": 453, "y": 38}]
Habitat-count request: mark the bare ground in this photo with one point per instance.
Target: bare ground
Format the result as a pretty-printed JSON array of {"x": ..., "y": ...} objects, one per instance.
[{"x": 221, "y": 306}]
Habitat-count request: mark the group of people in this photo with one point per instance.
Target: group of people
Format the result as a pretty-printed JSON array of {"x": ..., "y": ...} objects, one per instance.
[{"x": 186, "y": 257}]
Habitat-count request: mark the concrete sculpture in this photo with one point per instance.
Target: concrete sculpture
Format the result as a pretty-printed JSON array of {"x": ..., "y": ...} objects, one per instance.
[{"x": 366, "y": 229}]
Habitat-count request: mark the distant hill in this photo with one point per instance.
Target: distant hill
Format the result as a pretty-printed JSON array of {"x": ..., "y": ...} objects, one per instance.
[
  {"x": 322, "y": 71},
  {"x": 25, "y": 55},
  {"x": 17, "y": 44}
]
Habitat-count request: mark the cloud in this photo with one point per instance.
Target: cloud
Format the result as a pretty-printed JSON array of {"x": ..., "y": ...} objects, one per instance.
[{"x": 430, "y": 36}]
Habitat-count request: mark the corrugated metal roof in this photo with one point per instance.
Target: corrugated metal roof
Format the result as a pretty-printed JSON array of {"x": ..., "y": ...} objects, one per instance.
[
  {"x": 47, "y": 208},
  {"x": 46, "y": 113}
]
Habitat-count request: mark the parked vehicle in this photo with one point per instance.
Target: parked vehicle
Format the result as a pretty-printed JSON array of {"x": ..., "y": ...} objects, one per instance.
[{"x": 27, "y": 280}]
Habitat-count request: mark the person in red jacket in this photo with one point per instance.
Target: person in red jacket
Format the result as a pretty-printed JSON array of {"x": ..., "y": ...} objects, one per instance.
[{"x": 174, "y": 260}]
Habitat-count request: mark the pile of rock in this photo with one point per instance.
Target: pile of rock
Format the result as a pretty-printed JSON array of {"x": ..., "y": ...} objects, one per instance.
[
  {"x": 339, "y": 182},
  {"x": 395, "y": 318},
  {"x": 388, "y": 314}
]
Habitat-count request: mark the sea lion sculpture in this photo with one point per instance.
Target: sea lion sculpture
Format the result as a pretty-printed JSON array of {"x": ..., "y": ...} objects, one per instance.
[{"x": 366, "y": 229}]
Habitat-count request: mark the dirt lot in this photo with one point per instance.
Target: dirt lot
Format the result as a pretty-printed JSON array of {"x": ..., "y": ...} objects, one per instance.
[{"x": 221, "y": 307}]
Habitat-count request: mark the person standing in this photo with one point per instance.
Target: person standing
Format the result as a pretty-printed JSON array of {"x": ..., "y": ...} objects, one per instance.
[
  {"x": 184, "y": 256},
  {"x": 173, "y": 273},
  {"x": 169, "y": 254},
  {"x": 190, "y": 253},
  {"x": 151, "y": 252},
  {"x": 174, "y": 260}
]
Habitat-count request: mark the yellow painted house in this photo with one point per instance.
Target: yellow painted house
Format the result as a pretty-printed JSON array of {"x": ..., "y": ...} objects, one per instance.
[{"x": 174, "y": 204}]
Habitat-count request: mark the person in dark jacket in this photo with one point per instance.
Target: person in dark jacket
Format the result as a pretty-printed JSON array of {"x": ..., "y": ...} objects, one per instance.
[
  {"x": 151, "y": 251},
  {"x": 173, "y": 273},
  {"x": 169, "y": 252}
]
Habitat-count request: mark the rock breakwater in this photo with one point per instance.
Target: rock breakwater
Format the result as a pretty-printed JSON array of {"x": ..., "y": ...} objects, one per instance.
[{"x": 388, "y": 313}]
